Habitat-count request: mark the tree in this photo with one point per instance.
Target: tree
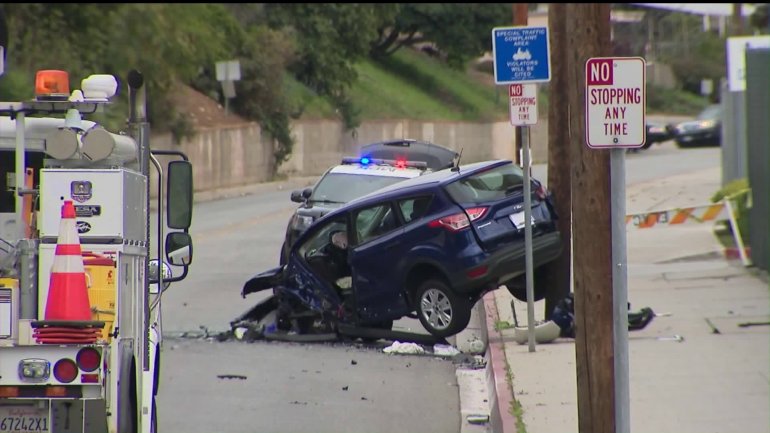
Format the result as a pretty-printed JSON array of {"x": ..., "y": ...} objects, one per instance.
[
  {"x": 460, "y": 31},
  {"x": 330, "y": 38}
]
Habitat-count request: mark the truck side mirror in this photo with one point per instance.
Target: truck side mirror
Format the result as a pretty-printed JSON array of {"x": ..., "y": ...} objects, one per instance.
[
  {"x": 180, "y": 195},
  {"x": 179, "y": 250}
]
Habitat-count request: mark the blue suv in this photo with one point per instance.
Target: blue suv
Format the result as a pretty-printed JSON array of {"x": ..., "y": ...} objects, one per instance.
[{"x": 429, "y": 246}]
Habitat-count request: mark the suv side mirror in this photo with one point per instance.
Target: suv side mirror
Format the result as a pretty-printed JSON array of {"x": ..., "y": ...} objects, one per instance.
[
  {"x": 179, "y": 251},
  {"x": 300, "y": 196},
  {"x": 180, "y": 195}
]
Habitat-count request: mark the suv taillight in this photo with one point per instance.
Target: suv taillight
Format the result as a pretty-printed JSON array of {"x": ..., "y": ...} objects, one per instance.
[{"x": 459, "y": 221}]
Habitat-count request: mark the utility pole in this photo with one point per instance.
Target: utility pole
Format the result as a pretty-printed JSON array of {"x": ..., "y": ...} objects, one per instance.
[
  {"x": 556, "y": 274},
  {"x": 588, "y": 34},
  {"x": 737, "y": 18},
  {"x": 520, "y": 18}
]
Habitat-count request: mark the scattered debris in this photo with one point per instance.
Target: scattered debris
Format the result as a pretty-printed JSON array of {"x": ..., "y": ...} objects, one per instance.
[
  {"x": 464, "y": 360},
  {"x": 714, "y": 329},
  {"x": 231, "y": 376},
  {"x": 477, "y": 419},
  {"x": 747, "y": 324},
  {"x": 404, "y": 348},
  {"x": 345, "y": 388},
  {"x": 303, "y": 403},
  {"x": 545, "y": 332},
  {"x": 444, "y": 350},
  {"x": 678, "y": 338}
]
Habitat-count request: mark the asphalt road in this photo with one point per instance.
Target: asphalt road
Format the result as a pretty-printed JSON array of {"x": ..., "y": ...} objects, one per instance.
[
  {"x": 287, "y": 387},
  {"x": 279, "y": 387}
]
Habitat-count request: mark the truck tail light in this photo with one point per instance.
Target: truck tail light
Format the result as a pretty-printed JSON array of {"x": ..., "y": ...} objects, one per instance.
[
  {"x": 88, "y": 359},
  {"x": 65, "y": 370},
  {"x": 459, "y": 221}
]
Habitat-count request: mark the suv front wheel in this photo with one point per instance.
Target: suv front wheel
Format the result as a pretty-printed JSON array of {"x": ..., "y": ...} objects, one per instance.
[{"x": 440, "y": 310}]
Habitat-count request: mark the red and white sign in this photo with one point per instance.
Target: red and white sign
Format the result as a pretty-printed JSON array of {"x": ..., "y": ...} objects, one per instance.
[
  {"x": 523, "y": 104},
  {"x": 615, "y": 102}
]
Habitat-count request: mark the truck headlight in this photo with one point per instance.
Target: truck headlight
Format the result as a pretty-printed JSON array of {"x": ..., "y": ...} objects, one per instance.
[{"x": 34, "y": 370}]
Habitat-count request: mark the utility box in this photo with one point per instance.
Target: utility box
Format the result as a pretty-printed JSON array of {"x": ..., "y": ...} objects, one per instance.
[
  {"x": 9, "y": 306},
  {"x": 100, "y": 277},
  {"x": 110, "y": 204}
]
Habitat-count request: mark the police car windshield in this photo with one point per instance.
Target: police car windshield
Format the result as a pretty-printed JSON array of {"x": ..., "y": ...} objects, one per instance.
[{"x": 344, "y": 187}]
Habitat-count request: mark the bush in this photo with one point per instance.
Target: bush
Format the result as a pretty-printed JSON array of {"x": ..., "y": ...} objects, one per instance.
[{"x": 739, "y": 194}]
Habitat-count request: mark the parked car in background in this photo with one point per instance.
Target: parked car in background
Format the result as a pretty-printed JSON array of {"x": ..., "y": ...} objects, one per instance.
[
  {"x": 431, "y": 245},
  {"x": 655, "y": 133},
  {"x": 380, "y": 164},
  {"x": 705, "y": 130}
]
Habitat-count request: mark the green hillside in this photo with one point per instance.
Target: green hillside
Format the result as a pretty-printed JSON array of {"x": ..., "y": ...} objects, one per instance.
[{"x": 413, "y": 85}]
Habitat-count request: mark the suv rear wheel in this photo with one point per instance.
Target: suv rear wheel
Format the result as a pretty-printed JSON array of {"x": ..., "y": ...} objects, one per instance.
[
  {"x": 518, "y": 286},
  {"x": 440, "y": 310}
]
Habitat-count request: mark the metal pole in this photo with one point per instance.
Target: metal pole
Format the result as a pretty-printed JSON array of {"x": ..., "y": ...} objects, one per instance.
[
  {"x": 20, "y": 173},
  {"x": 620, "y": 288},
  {"x": 140, "y": 130},
  {"x": 528, "y": 243}
]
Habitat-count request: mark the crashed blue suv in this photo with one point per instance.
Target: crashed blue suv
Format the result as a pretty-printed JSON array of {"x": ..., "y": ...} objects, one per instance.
[{"x": 429, "y": 246}]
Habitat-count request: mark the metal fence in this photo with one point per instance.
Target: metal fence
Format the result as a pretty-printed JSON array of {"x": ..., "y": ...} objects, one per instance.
[{"x": 758, "y": 152}]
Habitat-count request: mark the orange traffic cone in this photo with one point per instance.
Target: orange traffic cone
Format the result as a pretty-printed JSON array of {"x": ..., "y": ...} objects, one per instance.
[
  {"x": 67, "y": 310},
  {"x": 68, "y": 293}
]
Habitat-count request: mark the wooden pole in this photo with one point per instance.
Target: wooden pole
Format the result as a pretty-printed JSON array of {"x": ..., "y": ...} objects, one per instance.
[
  {"x": 556, "y": 275},
  {"x": 588, "y": 34}
]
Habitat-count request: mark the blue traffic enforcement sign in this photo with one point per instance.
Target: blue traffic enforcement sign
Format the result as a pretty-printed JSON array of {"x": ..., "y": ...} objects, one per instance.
[{"x": 521, "y": 54}]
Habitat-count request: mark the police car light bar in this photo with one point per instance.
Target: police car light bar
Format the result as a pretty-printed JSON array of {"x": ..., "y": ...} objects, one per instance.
[{"x": 374, "y": 161}]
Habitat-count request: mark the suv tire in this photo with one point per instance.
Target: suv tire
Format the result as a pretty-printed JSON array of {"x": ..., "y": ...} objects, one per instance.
[
  {"x": 518, "y": 286},
  {"x": 440, "y": 310}
]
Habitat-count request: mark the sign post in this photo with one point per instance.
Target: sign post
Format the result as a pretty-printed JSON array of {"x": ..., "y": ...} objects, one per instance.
[
  {"x": 522, "y": 56},
  {"x": 615, "y": 119}
]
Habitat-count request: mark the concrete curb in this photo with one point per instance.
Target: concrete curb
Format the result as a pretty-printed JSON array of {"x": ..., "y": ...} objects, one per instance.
[{"x": 500, "y": 392}]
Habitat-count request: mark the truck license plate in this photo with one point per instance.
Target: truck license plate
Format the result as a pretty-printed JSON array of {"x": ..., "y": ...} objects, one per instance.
[{"x": 23, "y": 419}]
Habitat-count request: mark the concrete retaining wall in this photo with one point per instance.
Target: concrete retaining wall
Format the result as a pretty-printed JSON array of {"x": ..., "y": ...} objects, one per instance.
[{"x": 242, "y": 155}]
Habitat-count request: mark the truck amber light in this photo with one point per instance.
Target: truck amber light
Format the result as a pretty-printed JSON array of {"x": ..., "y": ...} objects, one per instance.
[
  {"x": 65, "y": 370},
  {"x": 52, "y": 83},
  {"x": 88, "y": 359},
  {"x": 9, "y": 391},
  {"x": 55, "y": 391},
  {"x": 478, "y": 271},
  {"x": 89, "y": 378}
]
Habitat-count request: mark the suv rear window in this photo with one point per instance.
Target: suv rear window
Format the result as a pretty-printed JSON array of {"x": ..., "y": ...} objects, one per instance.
[{"x": 488, "y": 185}]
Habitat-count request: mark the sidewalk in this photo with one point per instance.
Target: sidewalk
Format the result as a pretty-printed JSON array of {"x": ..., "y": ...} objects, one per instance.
[{"x": 716, "y": 380}]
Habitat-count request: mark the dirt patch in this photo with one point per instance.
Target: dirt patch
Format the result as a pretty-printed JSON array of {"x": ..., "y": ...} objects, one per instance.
[{"x": 202, "y": 111}]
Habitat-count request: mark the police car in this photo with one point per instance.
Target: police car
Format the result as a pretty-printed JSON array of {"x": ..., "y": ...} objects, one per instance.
[{"x": 381, "y": 164}]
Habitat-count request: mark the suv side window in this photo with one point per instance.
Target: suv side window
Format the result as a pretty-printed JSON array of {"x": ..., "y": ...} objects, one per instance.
[
  {"x": 373, "y": 222},
  {"x": 414, "y": 208}
]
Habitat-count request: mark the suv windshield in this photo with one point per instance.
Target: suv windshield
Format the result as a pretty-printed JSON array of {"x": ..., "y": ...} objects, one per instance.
[
  {"x": 343, "y": 187},
  {"x": 489, "y": 185}
]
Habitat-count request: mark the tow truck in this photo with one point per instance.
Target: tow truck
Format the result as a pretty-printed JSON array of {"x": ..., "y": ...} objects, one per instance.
[{"x": 50, "y": 153}]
